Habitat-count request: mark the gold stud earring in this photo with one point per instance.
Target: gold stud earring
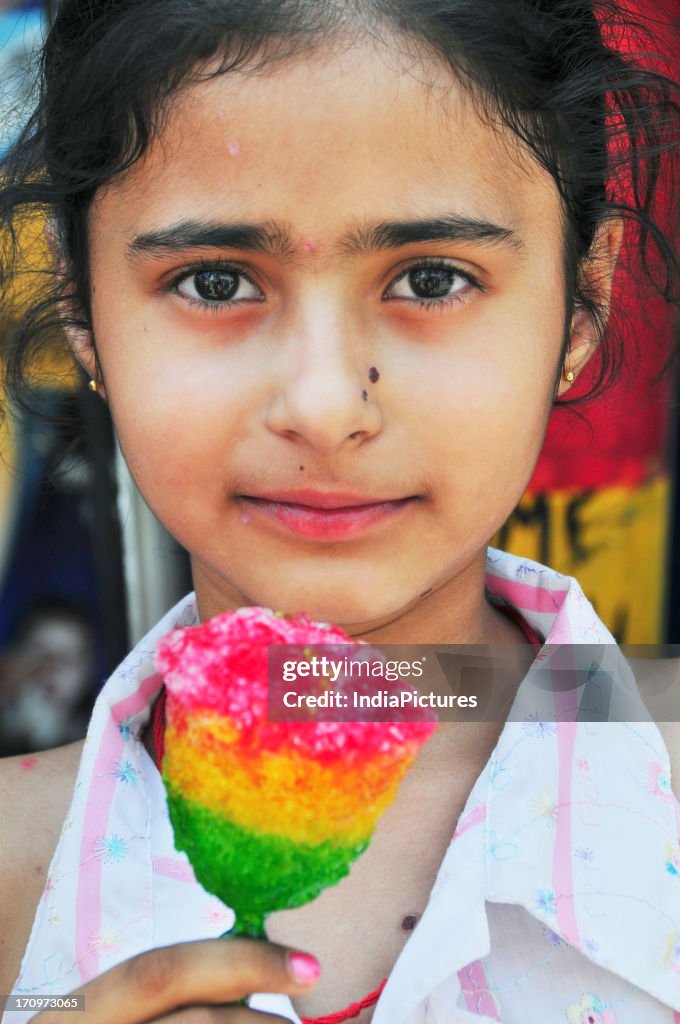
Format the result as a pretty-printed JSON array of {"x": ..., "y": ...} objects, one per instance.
[
  {"x": 93, "y": 386},
  {"x": 569, "y": 377}
]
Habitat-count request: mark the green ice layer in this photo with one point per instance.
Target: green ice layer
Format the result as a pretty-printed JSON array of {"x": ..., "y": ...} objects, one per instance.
[{"x": 252, "y": 872}]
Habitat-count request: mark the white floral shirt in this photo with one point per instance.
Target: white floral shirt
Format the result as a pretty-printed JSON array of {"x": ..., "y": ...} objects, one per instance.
[{"x": 558, "y": 899}]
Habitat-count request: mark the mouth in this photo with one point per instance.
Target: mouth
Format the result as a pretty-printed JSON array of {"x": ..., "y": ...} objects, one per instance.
[{"x": 322, "y": 515}]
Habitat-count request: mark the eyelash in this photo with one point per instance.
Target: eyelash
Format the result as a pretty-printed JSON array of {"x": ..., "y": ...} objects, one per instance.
[
  {"x": 438, "y": 263},
  {"x": 201, "y": 267}
]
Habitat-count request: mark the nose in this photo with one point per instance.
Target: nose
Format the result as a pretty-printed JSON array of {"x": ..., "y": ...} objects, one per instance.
[{"x": 323, "y": 394}]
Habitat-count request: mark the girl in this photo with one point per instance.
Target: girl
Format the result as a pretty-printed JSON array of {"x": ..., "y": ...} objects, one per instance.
[{"x": 330, "y": 264}]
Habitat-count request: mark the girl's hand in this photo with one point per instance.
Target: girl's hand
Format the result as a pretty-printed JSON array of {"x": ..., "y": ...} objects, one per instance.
[{"x": 189, "y": 983}]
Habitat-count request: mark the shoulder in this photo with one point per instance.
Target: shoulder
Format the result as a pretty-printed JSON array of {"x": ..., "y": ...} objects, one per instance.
[{"x": 35, "y": 792}]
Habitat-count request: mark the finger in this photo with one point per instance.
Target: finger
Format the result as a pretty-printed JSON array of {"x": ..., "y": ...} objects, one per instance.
[
  {"x": 221, "y": 1015},
  {"x": 161, "y": 980}
]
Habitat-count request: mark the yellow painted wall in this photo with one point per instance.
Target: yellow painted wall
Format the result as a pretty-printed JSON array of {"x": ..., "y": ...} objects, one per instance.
[
  {"x": 56, "y": 365},
  {"x": 613, "y": 540}
]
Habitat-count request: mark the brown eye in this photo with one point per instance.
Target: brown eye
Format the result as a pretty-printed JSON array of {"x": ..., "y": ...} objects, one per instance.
[
  {"x": 431, "y": 282},
  {"x": 215, "y": 286},
  {"x": 436, "y": 283}
]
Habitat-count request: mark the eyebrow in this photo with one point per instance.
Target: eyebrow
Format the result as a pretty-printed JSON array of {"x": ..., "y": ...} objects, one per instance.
[
  {"x": 275, "y": 239},
  {"x": 449, "y": 228},
  {"x": 267, "y": 237}
]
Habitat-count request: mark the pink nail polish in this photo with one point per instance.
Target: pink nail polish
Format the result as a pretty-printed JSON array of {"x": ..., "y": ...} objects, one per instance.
[{"x": 304, "y": 968}]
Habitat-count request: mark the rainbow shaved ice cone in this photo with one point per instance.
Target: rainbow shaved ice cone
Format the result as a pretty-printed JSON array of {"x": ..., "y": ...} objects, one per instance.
[{"x": 268, "y": 812}]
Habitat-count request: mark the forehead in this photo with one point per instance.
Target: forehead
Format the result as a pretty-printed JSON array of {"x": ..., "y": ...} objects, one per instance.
[{"x": 327, "y": 140}]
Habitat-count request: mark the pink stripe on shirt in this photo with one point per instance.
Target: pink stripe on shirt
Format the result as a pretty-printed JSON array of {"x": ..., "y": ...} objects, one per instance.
[
  {"x": 474, "y": 817},
  {"x": 525, "y": 596},
  {"x": 96, "y": 816},
  {"x": 475, "y": 988},
  {"x": 173, "y": 867}
]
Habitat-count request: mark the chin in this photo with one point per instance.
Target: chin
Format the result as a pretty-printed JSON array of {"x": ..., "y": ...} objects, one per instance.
[{"x": 345, "y": 607}]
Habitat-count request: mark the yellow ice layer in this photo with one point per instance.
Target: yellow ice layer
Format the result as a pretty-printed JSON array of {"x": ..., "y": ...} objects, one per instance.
[{"x": 278, "y": 793}]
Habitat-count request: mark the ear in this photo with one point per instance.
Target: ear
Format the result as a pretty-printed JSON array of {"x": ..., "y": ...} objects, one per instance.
[
  {"x": 597, "y": 277},
  {"x": 80, "y": 340},
  {"x": 81, "y": 343}
]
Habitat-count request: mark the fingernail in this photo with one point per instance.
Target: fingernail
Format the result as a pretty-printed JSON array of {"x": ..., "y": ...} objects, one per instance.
[{"x": 304, "y": 968}]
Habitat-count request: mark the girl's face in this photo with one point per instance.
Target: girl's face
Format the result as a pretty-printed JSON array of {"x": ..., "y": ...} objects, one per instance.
[{"x": 325, "y": 286}]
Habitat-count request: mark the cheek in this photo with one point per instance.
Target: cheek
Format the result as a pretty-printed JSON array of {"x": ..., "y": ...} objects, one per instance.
[
  {"x": 486, "y": 402},
  {"x": 174, "y": 429},
  {"x": 178, "y": 425},
  {"x": 177, "y": 401},
  {"x": 492, "y": 393}
]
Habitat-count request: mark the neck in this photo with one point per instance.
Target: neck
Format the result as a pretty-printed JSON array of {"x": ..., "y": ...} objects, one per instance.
[{"x": 453, "y": 611}]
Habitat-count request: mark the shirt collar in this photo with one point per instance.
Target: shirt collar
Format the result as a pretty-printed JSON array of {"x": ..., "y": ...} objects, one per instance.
[{"x": 574, "y": 820}]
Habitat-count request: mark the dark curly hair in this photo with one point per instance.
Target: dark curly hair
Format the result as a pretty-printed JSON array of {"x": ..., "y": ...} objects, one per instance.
[{"x": 565, "y": 76}]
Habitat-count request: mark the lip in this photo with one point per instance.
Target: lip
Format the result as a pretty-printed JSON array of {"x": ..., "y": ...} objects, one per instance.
[{"x": 322, "y": 515}]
